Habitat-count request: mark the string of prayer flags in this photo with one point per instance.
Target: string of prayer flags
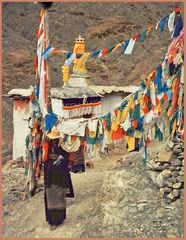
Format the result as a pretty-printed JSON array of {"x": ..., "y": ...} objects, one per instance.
[{"x": 127, "y": 45}]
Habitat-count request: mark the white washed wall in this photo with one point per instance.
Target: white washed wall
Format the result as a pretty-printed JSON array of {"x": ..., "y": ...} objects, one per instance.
[
  {"x": 109, "y": 101},
  {"x": 20, "y": 122}
]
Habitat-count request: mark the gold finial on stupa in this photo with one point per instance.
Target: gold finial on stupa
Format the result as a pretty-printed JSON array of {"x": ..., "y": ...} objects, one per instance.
[{"x": 79, "y": 48}]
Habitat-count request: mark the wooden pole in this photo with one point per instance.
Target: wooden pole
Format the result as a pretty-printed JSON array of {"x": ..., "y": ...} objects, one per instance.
[{"x": 48, "y": 83}]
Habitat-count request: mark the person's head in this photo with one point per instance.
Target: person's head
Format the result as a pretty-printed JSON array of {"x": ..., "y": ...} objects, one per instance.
[{"x": 53, "y": 153}]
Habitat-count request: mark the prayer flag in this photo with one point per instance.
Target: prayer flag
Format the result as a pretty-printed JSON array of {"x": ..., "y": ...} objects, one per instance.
[
  {"x": 125, "y": 44},
  {"x": 157, "y": 80},
  {"x": 130, "y": 46},
  {"x": 104, "y": 52},
  {"x": 70, "y": 60},
  {"x": 41, "y": 68},
  {"x": 179, "y": 27},
  {"x": 162, "y": 24},
  {"x": 171, "y": 21},
  {"x": 116, "y": 47},
  {"x": 47, "y": 52},
  {"x": 142, "y": 36},
  {"x": 95, "y": 53}
]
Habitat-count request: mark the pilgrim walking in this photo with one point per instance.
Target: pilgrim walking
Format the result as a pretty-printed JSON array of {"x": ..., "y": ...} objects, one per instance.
[{"x": 57, "y": 181}]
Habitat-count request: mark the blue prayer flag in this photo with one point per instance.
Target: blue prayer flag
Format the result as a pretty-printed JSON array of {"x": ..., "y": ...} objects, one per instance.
[
  {"x": 95, "y": 53},
  {"x": 157, "y": 80},
  {"x": 162, "y": 24},
  {"x": 47, "y": 52},
  {"x": 179, "y": 27},
  {"x": 142, "y": 36},
  {"x": 125, "y": 45}
]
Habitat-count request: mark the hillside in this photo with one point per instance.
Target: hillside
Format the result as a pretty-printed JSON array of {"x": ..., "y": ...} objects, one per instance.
[{"x": 101, "y": 24}]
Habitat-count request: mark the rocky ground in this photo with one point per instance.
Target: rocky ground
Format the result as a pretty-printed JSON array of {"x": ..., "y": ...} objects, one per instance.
[{"x": 116, "y": 199}]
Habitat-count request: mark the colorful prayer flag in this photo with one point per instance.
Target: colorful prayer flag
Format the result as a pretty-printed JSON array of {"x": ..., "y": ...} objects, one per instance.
[
  {"x": 130, "y": 46},
  {"x": 162, "y": 24},
  {"x": 142, "y": 36},
  {"x": 179, "y": 27}
]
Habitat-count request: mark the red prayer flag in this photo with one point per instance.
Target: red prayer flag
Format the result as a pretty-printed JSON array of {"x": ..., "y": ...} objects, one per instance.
[
  {"x": 104, "y": 52},
  {"x": 135, "y": 37}
]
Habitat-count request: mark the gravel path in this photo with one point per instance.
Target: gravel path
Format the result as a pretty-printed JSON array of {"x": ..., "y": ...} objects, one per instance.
[{"x": 111, "y": 200}]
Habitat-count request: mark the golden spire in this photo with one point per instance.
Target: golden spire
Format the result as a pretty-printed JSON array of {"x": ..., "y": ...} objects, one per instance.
[{"x": 79, "y": 47}]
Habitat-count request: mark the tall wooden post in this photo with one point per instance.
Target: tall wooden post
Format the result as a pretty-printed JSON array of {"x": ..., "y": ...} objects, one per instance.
[{"x": 48, "y": 83}]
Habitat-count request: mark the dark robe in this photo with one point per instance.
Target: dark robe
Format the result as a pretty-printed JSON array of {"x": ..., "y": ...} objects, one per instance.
[{"x": 58, "y": 185}]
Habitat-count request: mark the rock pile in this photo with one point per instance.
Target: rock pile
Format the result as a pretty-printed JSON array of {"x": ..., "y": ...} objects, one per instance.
[{"x": 167, "y": 171}]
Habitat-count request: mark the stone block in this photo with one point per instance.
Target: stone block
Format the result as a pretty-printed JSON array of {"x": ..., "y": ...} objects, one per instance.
[
  {"x": 175, "y": 173},
  {"x": 164, "y": 157},
  {"x": 166, "y": 173},
  {"x": 177, "y": 185},
  {"x": 177, "y": 150},
  {"x": 180, "y": 178},
  {"x": 176, "y": 193},
  {"x": 176, "y": 162},
  {"x": 170, "y": 196},
  {"x": 170, "y": 144}
]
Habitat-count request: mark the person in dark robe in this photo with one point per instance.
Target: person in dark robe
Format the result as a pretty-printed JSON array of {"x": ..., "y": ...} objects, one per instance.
[{"x": 58, "y": 184}]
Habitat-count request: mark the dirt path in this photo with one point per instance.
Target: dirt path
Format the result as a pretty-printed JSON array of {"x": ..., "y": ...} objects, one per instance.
[
  {"x": 27, "y": 219},
  {"x": 111, "y": 200}
]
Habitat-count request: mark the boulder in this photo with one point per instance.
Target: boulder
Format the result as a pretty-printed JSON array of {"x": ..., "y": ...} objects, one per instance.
[
  {"x": 177, "y": 185},
  {"x": 175, "y": 173},
  {"x": 160, "y": 180},
  {"x": 176, "y": 193},
  {"x": 169, "y": 184},
  {"x": 164, "y": 157},
  {"x": 172, "y": 168},
  {"x": 170, "y": 196},
  {"x": 181, "y": 154},
  {"x": 172, "y": 180},
  {"x": 181, "y": 173},
  {"x": 180, "y": 178},
  {"x": 166, "y": 173},
  {"x": 170, "y": 144},
  {"x": 176, "y": 162},
  {"x": 177, "y": 146},
  {"x": 177, "y": 150}
]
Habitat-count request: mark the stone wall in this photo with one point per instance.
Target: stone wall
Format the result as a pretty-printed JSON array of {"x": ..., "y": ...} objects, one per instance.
[{"x": 167, "y": 171}]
